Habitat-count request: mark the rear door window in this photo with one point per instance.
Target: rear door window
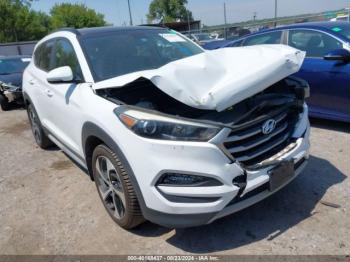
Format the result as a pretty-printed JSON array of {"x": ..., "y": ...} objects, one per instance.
[{"x": 264, "y": 39}]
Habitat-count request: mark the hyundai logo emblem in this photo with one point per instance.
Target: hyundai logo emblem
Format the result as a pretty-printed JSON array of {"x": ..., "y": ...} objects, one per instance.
[{"x": 269, "y": 126}]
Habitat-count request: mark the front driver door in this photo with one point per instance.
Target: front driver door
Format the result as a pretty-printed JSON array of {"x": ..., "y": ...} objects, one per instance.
[
  {"x": 64, "y": 108},
  {"x": 329, "y": 80}
]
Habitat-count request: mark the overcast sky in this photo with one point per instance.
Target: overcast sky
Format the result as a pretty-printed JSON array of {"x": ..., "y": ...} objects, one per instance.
[{"x": 209, "y": 11}]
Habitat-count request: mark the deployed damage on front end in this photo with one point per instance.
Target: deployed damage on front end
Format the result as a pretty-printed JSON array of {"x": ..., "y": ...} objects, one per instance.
[
  {"x": 237, "y": 89},
  {"x": 169, "y": 132},
  {"x": 218, "y": 79}
]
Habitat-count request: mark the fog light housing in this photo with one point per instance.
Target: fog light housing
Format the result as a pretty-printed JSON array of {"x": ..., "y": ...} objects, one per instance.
[
  {"x": 303, "y": 92},
  {"x": 177, "y": 179}
]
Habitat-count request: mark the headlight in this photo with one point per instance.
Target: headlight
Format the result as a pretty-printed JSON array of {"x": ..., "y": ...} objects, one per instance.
[{"x": 161, "y": 127}]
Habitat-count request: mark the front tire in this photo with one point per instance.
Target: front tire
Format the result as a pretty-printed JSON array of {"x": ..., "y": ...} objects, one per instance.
[
  {"x": 38, "y": 132},
  {"x": 115, "y": 189}
]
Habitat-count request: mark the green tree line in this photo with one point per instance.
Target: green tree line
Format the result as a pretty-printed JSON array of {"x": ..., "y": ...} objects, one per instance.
[
  {"x": 167, "y": 11},
  {"x": 18, "y": 22}
]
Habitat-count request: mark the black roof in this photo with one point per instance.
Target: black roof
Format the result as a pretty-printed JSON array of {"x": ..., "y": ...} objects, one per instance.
[{"x": 107, "y": 29}]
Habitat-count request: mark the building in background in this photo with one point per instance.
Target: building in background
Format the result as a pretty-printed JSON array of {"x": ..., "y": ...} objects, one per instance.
[{"x": 193, "y": 26}]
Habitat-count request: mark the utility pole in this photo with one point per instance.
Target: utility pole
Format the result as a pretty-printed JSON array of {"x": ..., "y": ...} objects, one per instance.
[
  {"x": 188, "y": 22},
  {"x": 275, "y": 13},
  {"x": 225, "y": 18},
  {"x": 130, "y": 12}
]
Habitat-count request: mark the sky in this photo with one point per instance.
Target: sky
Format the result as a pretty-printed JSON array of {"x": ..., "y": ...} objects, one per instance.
[{"x": 210, "y": 12}]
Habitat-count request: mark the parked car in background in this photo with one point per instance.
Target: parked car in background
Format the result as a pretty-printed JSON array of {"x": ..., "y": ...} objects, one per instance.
[
  {"x": 169, "y": 132},
  {"x": 326, "y": 67},
  {"x": 11, "y": 72},
  {"x": 217, "y": 36},
  {"x": 202, "y": 38},
  {"x": 216, "y": 44},
  {"x": 341, "y": 18}
]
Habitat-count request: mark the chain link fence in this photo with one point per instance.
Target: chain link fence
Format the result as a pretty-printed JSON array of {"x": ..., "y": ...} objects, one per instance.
[{"x": 237, "y": 30}]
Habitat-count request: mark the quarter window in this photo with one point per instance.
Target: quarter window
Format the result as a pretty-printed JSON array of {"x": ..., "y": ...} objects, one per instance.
[
  {"x": 264, "y": 39},
  {"x": 314, "y": 43}
]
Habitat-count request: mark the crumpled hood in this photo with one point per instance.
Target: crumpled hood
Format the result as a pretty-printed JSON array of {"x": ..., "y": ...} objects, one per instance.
[{"x": 218, "y": 79}]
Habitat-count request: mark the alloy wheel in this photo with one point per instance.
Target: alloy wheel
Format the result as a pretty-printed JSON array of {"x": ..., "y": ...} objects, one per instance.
[{"x": 111, "y": 187}]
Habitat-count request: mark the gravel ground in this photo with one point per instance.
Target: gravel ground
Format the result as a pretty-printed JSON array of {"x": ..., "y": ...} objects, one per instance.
[{"x": 49, "y": 206}]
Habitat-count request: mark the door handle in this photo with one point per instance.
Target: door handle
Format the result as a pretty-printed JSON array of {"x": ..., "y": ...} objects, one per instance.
[
  {"x": 31, "y": 82},
  {"x": 48, "y": 92}
]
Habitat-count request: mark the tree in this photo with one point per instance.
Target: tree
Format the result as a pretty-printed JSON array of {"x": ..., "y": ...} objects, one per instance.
[
  {"x": 75, "y": 15},
  {"x": 19, "y": 23},
  {"x": 166, "y": 11}
]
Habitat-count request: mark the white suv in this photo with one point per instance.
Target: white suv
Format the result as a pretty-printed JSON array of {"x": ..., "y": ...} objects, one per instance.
[{"x": 169, "y": 132}]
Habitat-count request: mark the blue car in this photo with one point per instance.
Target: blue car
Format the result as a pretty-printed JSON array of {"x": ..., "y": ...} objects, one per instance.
[
  {"x": 326, "y": 66},
  {"x": 11, "y": 72}
]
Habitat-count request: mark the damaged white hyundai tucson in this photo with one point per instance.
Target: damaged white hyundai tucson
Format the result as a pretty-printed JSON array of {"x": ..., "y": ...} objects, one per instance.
[{"x": 169, "y": 132}]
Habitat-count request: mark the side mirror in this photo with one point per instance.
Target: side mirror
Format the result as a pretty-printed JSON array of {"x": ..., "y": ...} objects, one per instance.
[
  {"x": 60, "y": 75},
  {"x": 338, "y": 55}
]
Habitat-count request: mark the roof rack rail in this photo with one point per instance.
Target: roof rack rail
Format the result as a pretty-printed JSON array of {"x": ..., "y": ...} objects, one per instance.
[{"x": 68, "y": 29}]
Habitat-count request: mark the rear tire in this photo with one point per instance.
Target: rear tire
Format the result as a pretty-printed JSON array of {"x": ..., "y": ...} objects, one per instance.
[
  {"x": 115, "y": 188},
  {"x": 5, "y": 105},
  {"x": 41, "y": 138}
]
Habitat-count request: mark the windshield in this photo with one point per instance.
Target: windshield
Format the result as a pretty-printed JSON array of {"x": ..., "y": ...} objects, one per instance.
[
  {"x": 123, "y": 52},
  {"x": 12, "y": 66},
  {"x": 203, "y": 37},
  {"x": 343, "y": 30}
]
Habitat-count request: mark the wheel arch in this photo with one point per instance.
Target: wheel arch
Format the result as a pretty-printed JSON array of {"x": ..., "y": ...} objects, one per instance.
[
  {"x": 26, "y": 99},
  {"x": 92, "y": 136}
]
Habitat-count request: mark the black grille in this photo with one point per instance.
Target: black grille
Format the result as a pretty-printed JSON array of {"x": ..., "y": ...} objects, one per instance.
[
  {"x": 254, "y": 192},
  {"x": 250, "y": 146}
]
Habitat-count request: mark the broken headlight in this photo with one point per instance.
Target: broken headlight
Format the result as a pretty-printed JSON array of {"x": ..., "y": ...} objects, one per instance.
[{"x": 161, "y": 127}]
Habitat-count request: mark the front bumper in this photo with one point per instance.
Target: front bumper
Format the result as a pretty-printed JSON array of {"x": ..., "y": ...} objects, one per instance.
[
  {"x": 12, "y": 93},
  {"x": 150, "y": 159}
]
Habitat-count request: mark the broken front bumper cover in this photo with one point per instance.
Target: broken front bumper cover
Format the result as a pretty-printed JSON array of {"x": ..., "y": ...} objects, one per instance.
[
  {"x": 256, "y": 190},
  {"x": 165, "y": 205},
  {"x": 11, "y": 92}
]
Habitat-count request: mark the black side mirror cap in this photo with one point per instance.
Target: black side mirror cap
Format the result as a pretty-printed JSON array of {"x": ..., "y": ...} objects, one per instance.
[{"x": 338, "y": 55}]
